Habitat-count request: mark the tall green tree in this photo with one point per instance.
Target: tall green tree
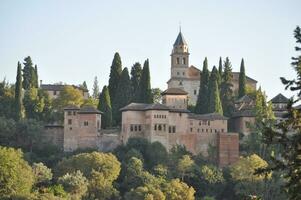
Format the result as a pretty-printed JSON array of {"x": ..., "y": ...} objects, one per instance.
[
  {"x": 242, "y": 80},
  {"x": 136, "y": 73},
  {"x": 145, "y": 91},
  {"x": 215, "y": 105},
  {"x": 28, "y": 73},
  {"x": 115, "y": 73},
  {"x": 84, "y": 85},
  {"x": 36, "y": 77},
  {"x": 287, "y": 134},
  {"x": 220, "y": 67},
  {"x": 226, "y": 89},
  {"x": 203, "y": 97},
  {"x": 18, "y": 93},
  {"x": 124, "y": 95},
  {"x": 104, "y": 105},
  {"x": 95, "y": 89}
]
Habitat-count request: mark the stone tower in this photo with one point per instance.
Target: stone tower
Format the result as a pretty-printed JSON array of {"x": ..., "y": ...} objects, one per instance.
[{"x": 179, "y": 58}]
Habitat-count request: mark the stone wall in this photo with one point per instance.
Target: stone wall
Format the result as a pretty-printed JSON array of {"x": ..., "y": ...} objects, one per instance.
[
  {"x": 109, "y": 139},
  {"x": 54, "y": 134},
  {"x": 227, "y": 148}
]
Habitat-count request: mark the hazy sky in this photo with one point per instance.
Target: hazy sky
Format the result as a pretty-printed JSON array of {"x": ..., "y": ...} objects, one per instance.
[{"x": 73, "y": 41}]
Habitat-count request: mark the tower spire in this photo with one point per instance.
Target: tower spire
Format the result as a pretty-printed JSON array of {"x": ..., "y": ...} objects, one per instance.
[{"x": 180, "y": 26}]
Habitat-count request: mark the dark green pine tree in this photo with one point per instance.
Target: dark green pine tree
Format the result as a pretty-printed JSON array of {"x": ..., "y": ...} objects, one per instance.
[
  {"x": 226, "y": 89},
  {"x": 36, "y": 79},
  {"x": 220, "y": 67},
  {"x": 18, "y": 93},
  {"x": 115, "y": 73},
  {"x": 203, "y": 97},
  {"x": 123, "y": 95},
  {"x": 136, "y": 73},
  {"x": 84, "y": 85},
  {"x": 242, "y": 80},
  {"x": 28, "y": 73},
  {"x": 104, "y": 105},
  {"x": 145, "y": 91},
  {"x": 215, "y": 105}
]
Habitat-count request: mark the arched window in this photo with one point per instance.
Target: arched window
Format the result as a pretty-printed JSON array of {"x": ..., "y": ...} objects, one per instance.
[
  {"x": 178, "y": 60},
  {"x": 184, "y": 61},
  {"x": 159, "y": 127}
]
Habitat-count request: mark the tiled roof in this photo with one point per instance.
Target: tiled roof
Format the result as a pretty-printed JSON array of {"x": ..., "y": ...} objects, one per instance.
[
  {"x": 59, "y": 87},
  {"x": 174, "y": 91},
  {"x": 71, "y": 107},
  {"x": 143, "y": 107},
  {"x": 89, "y": 110},
  {"x": 209, "y": 116},
  {"x": 180, "y": 40},
  {"x": 280, "y": 98},
  {"x": 244, "y": 113}
]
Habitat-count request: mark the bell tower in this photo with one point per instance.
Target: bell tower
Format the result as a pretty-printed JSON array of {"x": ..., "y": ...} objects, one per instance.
[{"x": 179, "y": 57}]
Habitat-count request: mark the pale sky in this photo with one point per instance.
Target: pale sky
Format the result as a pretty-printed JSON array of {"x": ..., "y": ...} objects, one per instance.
[{"x": 73, "y": 41}]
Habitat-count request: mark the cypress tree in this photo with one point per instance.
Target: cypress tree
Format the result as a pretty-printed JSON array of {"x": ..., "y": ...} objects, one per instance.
[
  {"x": 203, "y": 98},
  {"x": 104, "y": 105},
  {"x": 115, "y": 73},
  {"x": 95, "y": 89},
  {"x": 123, "y": 96},
  {"x": 28, "y": 74},
  {"x": 145, "y": 91},
  {"x": 220, "y": 67},
  {"x": 226, "y": 89},
  {"x": 215, "y": 105},
  {"x": 36, "y": 79},
  {"x": 242, "y": 80},
  {"x": 84, "y": 85},
  {"x": 18, "y": 93},
  {"x": 136, "y": 73}
]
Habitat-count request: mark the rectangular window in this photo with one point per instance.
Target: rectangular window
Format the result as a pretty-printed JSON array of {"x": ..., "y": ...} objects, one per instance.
[
  {"x": 54, "y": 92},
  {"x": 190, "y": 129},
  {"x": 136, "y": 128},
  {"x": 74, "y": 113},
  {"x": 178, "y": 60},
  {"x": 139, "y": 127},
  {"x": 132, "y": 127},
  {"x": 222, "y": 130},
  {"x": 194, "y": 92},
  {"x": 69, "y": 113},
  {"x": 86, "y": 123},
  {"x": 69, "y": 121},
  {"x": 169, "y": 129},
  {"x": 174, "y": 129},
  {"x": 208, "y": 123},
  {"x": 164, "y": 127},
  {"x": 155, "y": 127}
]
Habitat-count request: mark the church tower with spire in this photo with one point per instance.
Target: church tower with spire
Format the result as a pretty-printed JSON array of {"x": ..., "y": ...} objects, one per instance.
[{"x": 179, "y": 57}]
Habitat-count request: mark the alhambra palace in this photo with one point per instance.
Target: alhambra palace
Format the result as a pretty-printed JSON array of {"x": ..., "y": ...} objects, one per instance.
[{"x": 170, "y": 122}]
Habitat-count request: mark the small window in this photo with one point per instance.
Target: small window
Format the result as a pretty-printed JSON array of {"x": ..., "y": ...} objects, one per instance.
[
  {"x": 174, "y": 129},
  {"x": 208, "y": 123},
  {"x": 154, "y": 116},
  {"x": 69, "y": 113},
  {"x": 98, "y": 124},
  {"x": 222, "y": 130},
  {"x": 164, "y": 127},
  {"x": 70, "y": 128},
  {"x": 190, "y": 129},
  {"x": 210, "y": 130},
  {"x": 200, "y": 123},
  {"x": 183, "y": 73},
  {"x": 184, "y": 61},
  {"x": 194, "y": 92},
  {"x": 132, "y": 127},
  {"x": 139, "y": 127},
  {"x": 178, "y": 73},
  {"x": 180, "y": 114},
  {"x": 159, "y": 127},
  {"x": 69, "y": 121},
  {"x": 180, "y": 83},
  {"x": 202, "y": 130},
  {"x": 74, "y": 113},
  {"x": 206, "y": 130},
  {"x": 136, "y": 128},
  {"x": 155, "y": 128},
  {"x": 198, "y": 130},
  {"x": 86, "y": 123},
  {"x": 169, "y": 129},
  {"x": 178, "y": 60},
  {"x": 54, "y": 92}
]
